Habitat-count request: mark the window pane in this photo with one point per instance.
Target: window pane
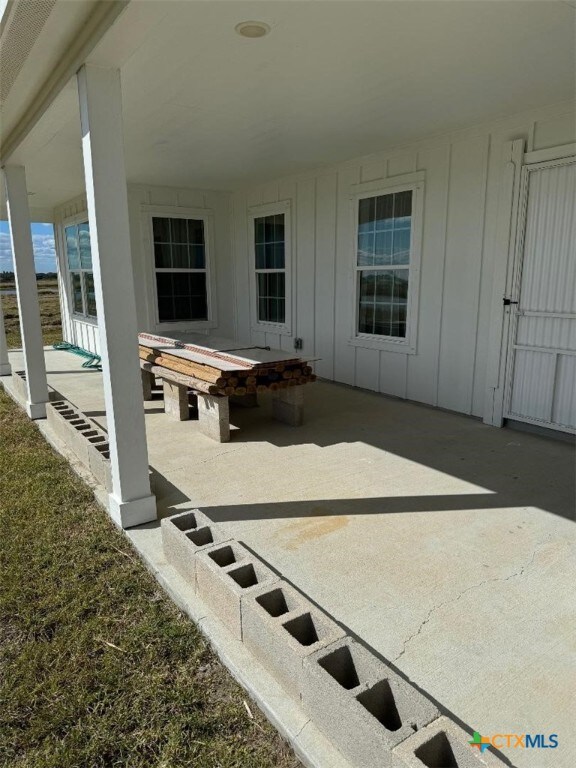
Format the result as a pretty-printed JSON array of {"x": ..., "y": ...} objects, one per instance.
[
  {"x": 269, "y": 256},
  {"x": 401, "y": 283},
  {"x": 180, "y": 259},
  {"x": 161, "y": 228},
  {"x": 269, "y": 229},
  {"x": 90, "y": 294},
  {"x": 279, "y": 258},
  {"x": 165, "y": 296},
  {"x": 384, "y": 212},
  {"x": 383, "y": 248},
  {"x": 259, "y": 231},
  {"x": 402, "y": 209},
  {"x": 382, "y": 316},
  {"x": 197, "y": 257},
  {"x": 365, "y": 256},
  {"x": 279, "y": 228},
  {"x": 198, "y": 296},
  {"x": 84, "y": 242},
  {"x": 178, "y": 231},
  {"x": 181, "y": 284},
  {"x": 196, "y": 231},
  {"x": 76, "y": 282},
  {"x": 165, "y": 310},
  {"x": 164, "y": 284},
  {"x": 162, "y": 256},
  {"x": 260, "y": 256},
  {"x": 182, "y": 308},
  {"x": 72, "y": 250},
  {"x": 401, "y": 253},
  {"x": 366, "y": 214}
]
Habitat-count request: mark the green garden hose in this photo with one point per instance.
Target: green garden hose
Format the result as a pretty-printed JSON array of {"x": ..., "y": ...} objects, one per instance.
[{"x": 92, "y": 360}]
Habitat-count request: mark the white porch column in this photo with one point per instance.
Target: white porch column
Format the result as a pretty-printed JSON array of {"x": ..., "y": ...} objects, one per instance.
[
  {"x": 131, "y": 502},
  {"x": 5, "y": 368},
  {"x": 28, "y": 307}
]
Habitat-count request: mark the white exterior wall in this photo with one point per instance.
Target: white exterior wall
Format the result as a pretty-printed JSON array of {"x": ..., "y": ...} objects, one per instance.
[
  {"x": 84, "y": 333},
  {"x": 458, "y": 261}
]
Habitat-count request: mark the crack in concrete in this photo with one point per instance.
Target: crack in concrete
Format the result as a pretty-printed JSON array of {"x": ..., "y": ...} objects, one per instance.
[
  {"x": 296, "y": 735},
  {"x": 457, "y": 598}
]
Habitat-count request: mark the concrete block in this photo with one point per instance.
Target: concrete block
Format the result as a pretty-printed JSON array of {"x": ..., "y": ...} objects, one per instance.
[
  {"x": 443, "y": 744},
  {"x": 224, "y": 574},
  {"x": 98, "y": 450},
  {"x": 77, "y": 429},
  {"x": 20, "y": 385},
  {"x": 281, "y": 627},
  {"x": 214, "y": 417},
  {"x": 186, "y": 534},
  {"x": 54, "y": 417},
  {"x": 361, "y": 704},
  {"x": 176, "y": 400},
  {"x": 288, "y": 405},
  {"x": 148, "y": 383},
  {"x": 82, "y": 437}
]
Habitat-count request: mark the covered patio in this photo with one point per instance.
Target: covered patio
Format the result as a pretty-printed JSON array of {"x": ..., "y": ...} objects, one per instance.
[
  {"x": 393, "y": 160},
  {"x": 444, "y": 545}
]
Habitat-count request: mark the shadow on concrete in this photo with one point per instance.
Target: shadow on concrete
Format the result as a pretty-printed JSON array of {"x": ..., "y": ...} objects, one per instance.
[
  {"x": 167, "y": 494},
  {"x": 510, "y": 468}
]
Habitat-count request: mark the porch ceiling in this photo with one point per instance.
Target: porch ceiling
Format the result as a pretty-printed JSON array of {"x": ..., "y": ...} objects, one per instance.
[{"x": 204, "y": 107}]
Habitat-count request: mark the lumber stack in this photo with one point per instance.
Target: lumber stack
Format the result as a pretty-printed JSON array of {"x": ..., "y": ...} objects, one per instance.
[{"x": 223, "y": 373}]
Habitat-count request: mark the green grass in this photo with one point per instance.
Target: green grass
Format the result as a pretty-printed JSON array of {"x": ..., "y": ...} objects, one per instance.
[
  {"x": 97, "y": 667},
  {"x": 49, "y": 314}
]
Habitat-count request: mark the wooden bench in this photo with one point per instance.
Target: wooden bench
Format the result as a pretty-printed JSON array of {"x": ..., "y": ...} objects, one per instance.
[{"x": 214, "y": 410}]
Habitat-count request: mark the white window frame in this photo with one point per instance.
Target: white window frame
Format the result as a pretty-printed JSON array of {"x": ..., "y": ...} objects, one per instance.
[
  {"x": 81, "y": 218},
  {"x": 257, "y": 212},
  {"x": 414, "y": 183},
  {"x": 169, "y": 212}
]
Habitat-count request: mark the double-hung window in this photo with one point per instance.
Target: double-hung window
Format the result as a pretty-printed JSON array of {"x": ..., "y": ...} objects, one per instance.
[
  {"x": 385, "y": 263},
  {"x": 79, "y": 260},
  {"x": 180, "y": 265},
  {"x": 271, "y": 239}
]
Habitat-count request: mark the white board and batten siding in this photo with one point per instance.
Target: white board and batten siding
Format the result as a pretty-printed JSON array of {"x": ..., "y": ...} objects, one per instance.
[
  {"x": 141, "y": 199},
  {"x": 462, "y": 175}
]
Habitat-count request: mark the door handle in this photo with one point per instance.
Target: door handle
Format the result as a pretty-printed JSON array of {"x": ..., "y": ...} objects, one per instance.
[{"x": 507, "y": 301}]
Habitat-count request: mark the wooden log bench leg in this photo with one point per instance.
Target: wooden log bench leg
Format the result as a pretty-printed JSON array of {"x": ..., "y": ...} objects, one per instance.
[
  {"x": 214, "y": 417},
  {"x": 176, "y": 400},
  {"x": 288, "y": 405},
  {"x": 148, "y": 382}
]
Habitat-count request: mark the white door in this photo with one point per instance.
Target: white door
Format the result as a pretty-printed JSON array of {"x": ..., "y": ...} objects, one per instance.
[{"x": 541, "y": 371}]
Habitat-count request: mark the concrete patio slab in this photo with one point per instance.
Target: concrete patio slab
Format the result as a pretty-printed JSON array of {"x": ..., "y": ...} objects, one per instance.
[{"x": 446, "y": 546}]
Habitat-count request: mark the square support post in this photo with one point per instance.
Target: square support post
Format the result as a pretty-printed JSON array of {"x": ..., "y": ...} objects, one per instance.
[
  {"x": 28, "y": 307},
  {"x": 176, "y": 400},
  {"x": 288, "y": 405},
  {"x": 5, "y": 367},
  {"x": 131, "y": 501},
  {"x": 148, "y": 383},
  {"x": 214, "y": 417}
]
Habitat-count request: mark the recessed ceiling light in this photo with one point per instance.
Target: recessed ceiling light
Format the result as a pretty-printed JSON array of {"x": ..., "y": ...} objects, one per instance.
[{"x": 252, "y": 28}]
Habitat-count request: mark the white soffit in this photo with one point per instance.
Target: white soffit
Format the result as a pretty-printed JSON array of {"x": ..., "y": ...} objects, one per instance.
[{"x": 204, "y": 107}]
